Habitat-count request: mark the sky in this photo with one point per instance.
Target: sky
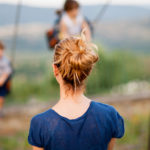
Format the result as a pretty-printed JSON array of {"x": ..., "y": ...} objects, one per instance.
[{"x": 58, "y": 3}]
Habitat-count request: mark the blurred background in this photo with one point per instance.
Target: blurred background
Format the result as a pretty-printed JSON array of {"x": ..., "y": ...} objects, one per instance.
[{"x": 121, "y": 29}]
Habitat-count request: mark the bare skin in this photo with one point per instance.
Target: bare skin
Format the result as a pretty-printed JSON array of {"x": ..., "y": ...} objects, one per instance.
[
  {"x": 37, "y": 148},
  {"x": 63, "y": 28},
  {"x": 3, "y": 78},
  {"x": 1, "y": 102},
  {"x": 111, "y": 144},
  {"x": 71, "y": 105}
]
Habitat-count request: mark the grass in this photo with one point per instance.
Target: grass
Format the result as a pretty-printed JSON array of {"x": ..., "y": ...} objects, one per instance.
[
  {"x": 136, "y": 133},
  {"x": 16, "y": 142}
]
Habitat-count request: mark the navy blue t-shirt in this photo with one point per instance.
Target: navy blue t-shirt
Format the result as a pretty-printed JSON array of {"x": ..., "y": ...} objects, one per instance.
[{"x": 92, "y": 131}]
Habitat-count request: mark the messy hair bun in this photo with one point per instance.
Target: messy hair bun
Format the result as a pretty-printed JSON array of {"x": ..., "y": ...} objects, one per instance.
[{"x": 75, "y": 58}]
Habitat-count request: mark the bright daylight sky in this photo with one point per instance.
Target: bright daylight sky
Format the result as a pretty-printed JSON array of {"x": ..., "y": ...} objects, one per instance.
[{"x": 58, "y": 3}]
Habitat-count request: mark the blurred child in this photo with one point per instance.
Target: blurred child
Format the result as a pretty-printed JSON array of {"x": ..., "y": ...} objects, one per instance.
[
  {"x": 75, "y": 122},
  {"x": 5, "y": 73},
  {"x": 72, "y": 22},
  {"x": 69, "y": 22}
]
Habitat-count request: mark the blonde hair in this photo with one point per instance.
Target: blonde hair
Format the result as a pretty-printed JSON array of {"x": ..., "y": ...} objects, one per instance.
[{"x": 74, "y": 58}]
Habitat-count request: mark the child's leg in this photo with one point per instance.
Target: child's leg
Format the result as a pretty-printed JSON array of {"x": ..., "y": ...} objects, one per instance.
[
  {"x": 1, "y": 102},
  {"x": 3, "y": 93}
]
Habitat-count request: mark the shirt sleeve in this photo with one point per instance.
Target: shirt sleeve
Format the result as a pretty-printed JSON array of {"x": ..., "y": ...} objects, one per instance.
[
  {"x": 7, "y": 67},
  {"x": 80, "y": 18},
  {"x": 117, "y": 125},
  {"x": 35, "y": 135}
]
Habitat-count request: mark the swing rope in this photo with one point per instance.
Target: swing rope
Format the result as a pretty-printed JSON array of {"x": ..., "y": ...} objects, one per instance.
[
  {"x": 15, "y": 32},
  {"x": 102, "y": 11}
]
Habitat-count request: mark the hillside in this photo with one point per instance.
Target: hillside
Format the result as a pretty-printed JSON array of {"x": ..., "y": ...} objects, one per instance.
[
  {"x": 126, "y": 35},
  {"x": 47, "y": 15},
  {"x": 122, "y": 27}
]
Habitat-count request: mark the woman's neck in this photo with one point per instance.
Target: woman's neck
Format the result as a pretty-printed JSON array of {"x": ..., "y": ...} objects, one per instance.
[
  {"x": 71, "y": 105},
  {"x": 70, "y": 95}
]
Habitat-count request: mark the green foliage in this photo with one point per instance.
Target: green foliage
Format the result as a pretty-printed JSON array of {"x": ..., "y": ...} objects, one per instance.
[
  {"x": 16, "y": 142},
  {"x": 115, "y": 68},
  {"x": 136, "y": 132}
]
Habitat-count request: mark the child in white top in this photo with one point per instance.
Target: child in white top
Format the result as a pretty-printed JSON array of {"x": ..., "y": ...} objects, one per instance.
[{"x": 72, "y": 22}]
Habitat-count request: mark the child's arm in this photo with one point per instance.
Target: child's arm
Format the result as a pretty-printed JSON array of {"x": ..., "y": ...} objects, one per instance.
[
  {"x": 87, "y": 32},
  {"x": 111, "y": 144},
  {"x": 63, "y": 30},
  {"x": 37, "y": 148},
  {"x": 3, "y": 78}
]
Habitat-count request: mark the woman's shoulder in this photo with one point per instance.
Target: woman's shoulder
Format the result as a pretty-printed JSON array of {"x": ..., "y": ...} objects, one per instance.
[
  {"x": 106, "y": 110},
  {"x": 110, "y": 115},
  {"x": 39, "y": 126},
  {"x": 43, "y": 117},
  {"x": 104, "y": 107}
]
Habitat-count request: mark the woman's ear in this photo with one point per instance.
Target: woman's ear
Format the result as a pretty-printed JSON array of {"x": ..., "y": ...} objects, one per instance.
[{"x": 55, "y": 70}]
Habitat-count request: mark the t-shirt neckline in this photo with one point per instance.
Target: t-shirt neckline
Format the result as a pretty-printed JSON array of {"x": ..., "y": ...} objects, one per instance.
[{"x": 76, "y": 119}]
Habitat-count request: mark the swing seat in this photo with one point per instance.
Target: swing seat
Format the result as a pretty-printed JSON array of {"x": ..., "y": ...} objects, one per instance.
[{"x": 52, "y": 37}]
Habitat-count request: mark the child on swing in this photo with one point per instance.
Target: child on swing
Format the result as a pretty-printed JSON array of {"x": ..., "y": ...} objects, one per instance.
[
  {"x": 5, "y": 72},
  {"x": 72, "y": 21},
  {"x": 75, "y": 122}
]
